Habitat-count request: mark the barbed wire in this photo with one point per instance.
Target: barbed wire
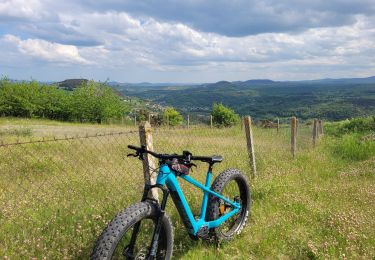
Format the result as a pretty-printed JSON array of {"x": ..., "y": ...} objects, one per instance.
[{"x": 56, "y": 139}]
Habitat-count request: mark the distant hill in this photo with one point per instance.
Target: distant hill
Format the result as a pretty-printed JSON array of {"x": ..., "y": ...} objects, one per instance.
[
  {"x": 332, "y": 99},
  {"x": 369, "y": 80},
  {"x": 70, "y": 84}
]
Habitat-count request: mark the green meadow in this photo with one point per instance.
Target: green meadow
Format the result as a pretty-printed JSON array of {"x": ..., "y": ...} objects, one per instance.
[{"x": 58, "y": 192}]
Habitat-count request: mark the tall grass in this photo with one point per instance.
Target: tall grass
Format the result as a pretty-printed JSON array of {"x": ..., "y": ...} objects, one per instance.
[
  {"x": 353, "y": 147},
  {"x": 353, "y": 139},
  {"x": 55, "y": 199}
]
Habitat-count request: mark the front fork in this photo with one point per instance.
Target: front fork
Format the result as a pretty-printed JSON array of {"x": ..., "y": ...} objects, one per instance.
[{"x": 159, "y": 218}]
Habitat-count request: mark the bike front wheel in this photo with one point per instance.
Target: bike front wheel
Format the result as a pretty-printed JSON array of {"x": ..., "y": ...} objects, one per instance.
[{"x": 114, "y": 242}]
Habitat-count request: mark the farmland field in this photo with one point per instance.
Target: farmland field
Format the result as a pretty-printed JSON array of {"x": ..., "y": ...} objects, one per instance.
[{"x": 57, "y": 195}]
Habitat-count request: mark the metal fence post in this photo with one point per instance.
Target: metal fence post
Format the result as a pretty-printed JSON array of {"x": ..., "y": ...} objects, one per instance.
[
  {"x": 293, "y": 134},
  {"x": 188, "y": 121},
  {"x": 149, "y": 166},
  {"x": 250, "y": 144}
]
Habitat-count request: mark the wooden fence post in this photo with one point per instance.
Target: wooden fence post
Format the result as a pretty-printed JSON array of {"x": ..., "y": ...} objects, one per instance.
[
  {"x": 293, "y": 134},
  {"x": 278, "y": 125},
  {"x": 145, "y": 138},
  {"x": 188, "y": 121},
  {"x": 320, "y": 128},
  {"x": 250, "y": 144},
  {"x": 315, "y": 132},
  {"x": 149, "y": 118},
  {"x": 297, "y": 126},
  {"x": 211, "y": 121}
]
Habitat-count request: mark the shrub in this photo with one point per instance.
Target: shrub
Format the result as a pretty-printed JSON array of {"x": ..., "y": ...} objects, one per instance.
[
  {"x": 224, "y": 116},
  {"x": 95, "y": 102},
  {"x": 355, "y": 125},
  {"x": 92, "y": 102},
  {"x": 172, "y": 116}
]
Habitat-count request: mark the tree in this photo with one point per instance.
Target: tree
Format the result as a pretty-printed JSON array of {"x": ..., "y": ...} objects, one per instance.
[
  {"x": 95, "y": 102},
  {"x": 224, "y": 116},
  {"x": 172, "y": 116},
  {"x": 18, "y": 99},
  {"x": 90, "y": 102},
  {"x": 52, "y": 103}
]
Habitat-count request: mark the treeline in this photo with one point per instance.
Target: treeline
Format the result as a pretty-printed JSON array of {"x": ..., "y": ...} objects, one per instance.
[{"x": 90, "y": 102}]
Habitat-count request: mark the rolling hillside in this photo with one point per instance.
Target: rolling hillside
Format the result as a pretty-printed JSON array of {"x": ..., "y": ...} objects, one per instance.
[{"x": 331, "y": 99}]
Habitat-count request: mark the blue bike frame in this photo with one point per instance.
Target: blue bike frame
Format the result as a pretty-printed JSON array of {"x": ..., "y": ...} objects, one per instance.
[{"x": 169, "y": 178}]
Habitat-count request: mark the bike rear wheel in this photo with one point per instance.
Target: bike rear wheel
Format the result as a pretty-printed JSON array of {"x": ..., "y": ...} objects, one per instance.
[
  {"x": 114, "y": 241},
  {"x": 233, "y": 185}
]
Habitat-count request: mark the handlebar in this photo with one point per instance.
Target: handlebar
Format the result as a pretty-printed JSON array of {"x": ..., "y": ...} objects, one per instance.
[{"x": 186, "y": 155}]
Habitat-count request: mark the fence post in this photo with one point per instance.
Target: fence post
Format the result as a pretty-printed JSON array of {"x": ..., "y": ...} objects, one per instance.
[
  {"x": 149, "y": 118},
  {"x": 297, "y": 126},
  {"x": 149, "y": 166},
  {"x": 135, "y": 120},
  {"x": 250, "y": 144},
  {"x": 321, "y": 131},
  {"x": 278, "y": 125},
  {"x": 188, "y": 121},
  {"x": 293, "y": 132},
  {"x": 315, "y": 132},
  {"x": 211, "y": 121}
]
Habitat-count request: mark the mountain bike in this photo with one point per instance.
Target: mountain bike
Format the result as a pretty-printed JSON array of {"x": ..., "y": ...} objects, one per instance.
[{"x": 145, "y": 231}]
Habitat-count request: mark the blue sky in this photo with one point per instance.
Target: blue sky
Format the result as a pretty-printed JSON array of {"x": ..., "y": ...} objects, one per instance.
[{"x": 186, "y": 41}]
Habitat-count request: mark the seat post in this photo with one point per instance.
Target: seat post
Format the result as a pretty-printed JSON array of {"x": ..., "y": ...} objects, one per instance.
[{"x": 210, "y": 166}]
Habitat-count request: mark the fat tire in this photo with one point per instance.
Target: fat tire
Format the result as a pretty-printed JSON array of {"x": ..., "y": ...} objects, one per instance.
[
  {"x": 213, "y": 202},
  {"x": 112, "y": 234}
]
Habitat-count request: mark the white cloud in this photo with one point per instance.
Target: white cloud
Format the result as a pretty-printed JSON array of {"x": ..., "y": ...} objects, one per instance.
[
  {"x": 65, "y": 33},
  {"x": 48, "y": 51},
  {"x": 31, "y": 9}
]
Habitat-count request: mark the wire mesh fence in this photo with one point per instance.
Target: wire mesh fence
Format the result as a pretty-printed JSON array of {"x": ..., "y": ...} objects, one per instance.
[
  {"x": 59, "y": 188},
  {"x": 58, "y": 193}
]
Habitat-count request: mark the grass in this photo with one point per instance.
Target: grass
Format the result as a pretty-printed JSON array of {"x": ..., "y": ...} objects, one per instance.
[
  {"x": 56, "y": 197},
  {"x": 353, "y": 147},
  {"x": 355, "y": 138}
]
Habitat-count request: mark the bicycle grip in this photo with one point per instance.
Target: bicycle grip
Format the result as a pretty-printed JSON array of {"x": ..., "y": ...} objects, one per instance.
[{"x": 133, "y": 147}]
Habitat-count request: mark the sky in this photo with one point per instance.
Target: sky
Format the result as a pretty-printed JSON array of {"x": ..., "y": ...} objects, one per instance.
[{"x": 189, "y": 41}]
